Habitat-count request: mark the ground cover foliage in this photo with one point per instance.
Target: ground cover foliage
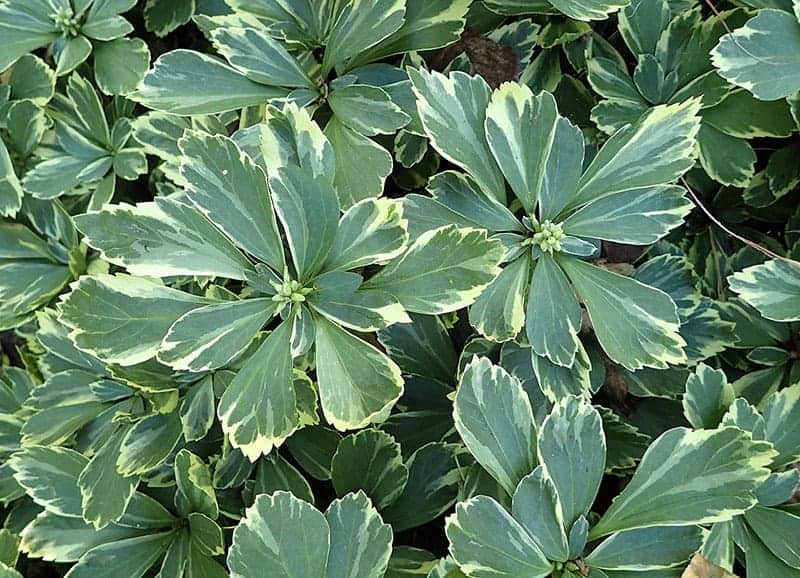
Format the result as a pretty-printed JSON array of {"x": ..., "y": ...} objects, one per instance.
[{"x": 399, "y": 288}]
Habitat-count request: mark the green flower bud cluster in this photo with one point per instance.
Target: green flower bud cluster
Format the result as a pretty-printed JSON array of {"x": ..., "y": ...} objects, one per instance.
[
  {"x": 547, "y": 236},
  {"x": 290, "y": 291},
  {"x": 66, "y": 22}
]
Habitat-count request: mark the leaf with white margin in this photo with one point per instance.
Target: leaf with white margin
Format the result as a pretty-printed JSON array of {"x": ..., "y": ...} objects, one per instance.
[
  {"x": 280, "y": 536},
  {"x": 369, "y": 460},
  {"x": 772, "y": 287},
  {"x": 258, "y": 410},
  {"x": 209, "y": 337},
  {"x": 499, "y": 312},
  {"x": 588, "y": 9},
  {"x": 164, "y": 238},
  {"x": 358, "y": 383},
  {"x": 637, "y": 325},
  {"x": 453, "y": 112},
  {"x": 360, "y": 543},
  {"x": 337, "y": 296},
  {"x": 690, "y": 477},
  {"x": 50, "y": 477},
  {"x": 371, "y": 231},
  {"x": 362, "y": 165},
  {"x": 444, "y": 270},
  {"x": 186, "y": 82},
  {"x": 148, "y": 443},
  {"x": 635, "y": 217},
  {"x": 122, "y": 319},
  {"x": 763, "y": 56},
  {"x": 520, "y": 130},
  {"x": 308, "y": 208},
  {"x": 231, "y": 190},
  {"x": 572, "y": 449},
  {"x": 656, "y": 149},
  {"x": 136, "y": 555},
  {"x": 367, "y": 110},
  {"x": 778, "y": 531},
  {"x": 10, "y": 188},
  {"x": 647, "y": 548},
  {"x": 427, "y": 25},
  {"x": 488, "y": 543},
  {"x": 493, "y": 416},
  {"x": 105, "y": 492},
  {"x": 359, "y": 25},
  {"x": 260, "y": 57},
  {"x": 782, "y": 425},
  {"x": 553, "y": 315},
  {"x": 26, "y": 25},
  {"x": 537, "y": 508},
  {"x": 707, "y": 398}
]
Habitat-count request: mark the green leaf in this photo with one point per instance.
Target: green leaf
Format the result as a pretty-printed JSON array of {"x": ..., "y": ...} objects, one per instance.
[
  {"x": 453, "y": 112},
  {"x": 122, "y": 319},
  {"x": 427, "y": 25},
  {"x": 24, "y": 26},
  {"x": 726, "y": 159},
  {"x": 136, "y": 555},
  {"x": 309, "y": 211},
  {"x": 50, "y": 477},
  {"x": 444, "y": 270},
  {"x": 772, "y": 287},
  {"x": 171, "y": 86},
  {"x": 778, "y": 531},
  {"x": 369, "y": 460},
  {"x": 371, "y": 231},
  {"x": 105, "y": 492},
  {"x": 588, "y": 10},
  {"x": 359, "y": 25},
  {"x": 210, "y": 337},
  {"x": 499, "y": 312},
  {"x": 432, "y": 488},
  {"x": 260, "y": 57},
  {"x": 195, "y": 492},
  {"x": 112, "y": 78},
  {"x": 362, "y": 165},
  {"x": 636, "y": 217},
  {"x": 360, "y": 543},
  {"x": 274, "y": 473},
  {"x": 358, "y": 384},
  {"x": 148, "y": 443},
  {"x": 164, "y": 238},
  {"x": 163, "y": 16},
  {"x": 231, "y": 191},
  {"x": 690, "y": 477},
  {"x": 763, "y": 56},
  {"x": 655, "y": 150},
  {"x": 536, "y": 506},
  {"x": 572, "y": 449},
  {"x": 493, "y": 416},
  {"x": 336, "y": 296},
  {"x": 367, "y": 110},
  {"x": 782, "y": 429},
  {"x": 636, "y": 325},
  {"x": 421, "y": 347},
  {"x": 258, "y": 410},
  {"x": 553, "y": 316},
  {"x": 487, "y": 542},
  {"x": 10, "y": 188},
  {"x": 74, "y": 52},
  {"x": 646, "y": 548},
  {"x": 280, "y": 536},
  {"x": 708, "y": 395}
]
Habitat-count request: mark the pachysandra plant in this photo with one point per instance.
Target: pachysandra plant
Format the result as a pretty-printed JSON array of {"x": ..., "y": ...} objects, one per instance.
[
  {"x": 667, "y": 73},
  {"x": 274, "y": 54},
  {"x": 76, "y": 29},
  {"x": 227, "y": 227},
  {"x": 624, "y": 195},
  {"x": 394, "y": 288}
]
